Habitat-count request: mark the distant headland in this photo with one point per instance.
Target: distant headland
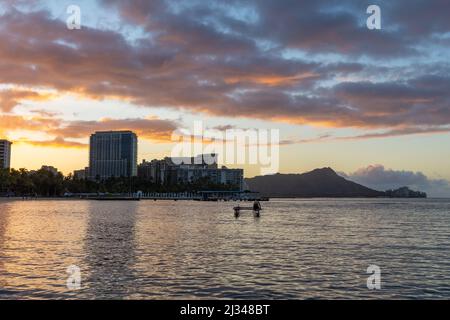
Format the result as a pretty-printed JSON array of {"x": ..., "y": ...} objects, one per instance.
[{"x": 320, "y": 183}]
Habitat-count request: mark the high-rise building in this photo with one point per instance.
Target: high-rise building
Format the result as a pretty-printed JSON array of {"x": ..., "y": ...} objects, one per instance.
[
  {"x": 112, "y": 154},
  {"x": 5, "y": 154}
]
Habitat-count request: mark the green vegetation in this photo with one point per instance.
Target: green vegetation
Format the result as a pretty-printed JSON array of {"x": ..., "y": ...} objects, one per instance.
[
  {"x": 45, "y": 183},
  {"x": 22, "y": 182}
]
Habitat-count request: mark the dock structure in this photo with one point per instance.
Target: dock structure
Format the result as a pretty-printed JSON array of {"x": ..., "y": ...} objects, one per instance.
[
  {"x": 116, "y": 199},
  {"x": 208, "y": 195},
  {"x": 170, "y": 196},
  {"x": 230, "y": 195}
]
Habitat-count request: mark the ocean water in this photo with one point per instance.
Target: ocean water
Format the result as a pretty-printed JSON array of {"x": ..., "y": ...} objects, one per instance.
[{"x": 297, "y": 249}]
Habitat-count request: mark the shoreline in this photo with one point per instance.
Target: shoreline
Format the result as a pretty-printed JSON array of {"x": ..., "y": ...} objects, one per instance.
[{"x": 4, "y": 199}]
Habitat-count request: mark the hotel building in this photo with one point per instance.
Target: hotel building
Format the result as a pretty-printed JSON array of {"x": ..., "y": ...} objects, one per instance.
[
  {"x": 173, "y": 171},
  {"x": 5, "y": 154},
  {"x": 112, "y": 154}
]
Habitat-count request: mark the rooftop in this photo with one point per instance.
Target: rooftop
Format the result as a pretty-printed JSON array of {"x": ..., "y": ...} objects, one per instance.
[{"x": 112, "y": 131}]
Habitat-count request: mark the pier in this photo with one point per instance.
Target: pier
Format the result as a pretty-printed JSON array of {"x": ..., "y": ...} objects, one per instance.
[{"x": 207, "y": 195}]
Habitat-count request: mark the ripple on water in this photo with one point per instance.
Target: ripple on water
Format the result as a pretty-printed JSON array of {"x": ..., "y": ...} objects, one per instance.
[{"x": 298, "y": 249}]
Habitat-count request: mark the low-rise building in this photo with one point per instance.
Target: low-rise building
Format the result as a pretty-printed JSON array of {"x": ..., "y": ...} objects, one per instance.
[
  {"x": 81, "y": 174},
  {"x": 172, "y": 171}
]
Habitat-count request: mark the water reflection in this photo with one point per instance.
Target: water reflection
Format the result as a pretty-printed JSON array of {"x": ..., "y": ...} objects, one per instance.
[
  {"x": 297, "y": 249},
  {"x": 110, "y": 250},
  {"x": 4, "y": 220},
  {"x": 38, "y": 241}
]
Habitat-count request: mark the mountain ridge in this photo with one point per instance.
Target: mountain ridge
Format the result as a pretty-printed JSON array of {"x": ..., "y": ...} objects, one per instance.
[{"x": 321, "y": 182}]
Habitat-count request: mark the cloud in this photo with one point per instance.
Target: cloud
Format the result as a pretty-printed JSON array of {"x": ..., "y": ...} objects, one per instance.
[
  {"x": 311, "y": 25},
  {"x": 229, "y": 60},
  {"x": 9, "y": 99},
  {"x": 372, "y": 135},
  {"x": 224, "y": 127},
  {"x": 10, "y": 123},
  {"x": 398, "y": 132},
  {"x": 46, "y": 113},
  {"x": 58, "y": 142},
  {"x": 153, "y": 129},
  {"x": 380, "y": 178},
  {"x": 424, "y": 100}
]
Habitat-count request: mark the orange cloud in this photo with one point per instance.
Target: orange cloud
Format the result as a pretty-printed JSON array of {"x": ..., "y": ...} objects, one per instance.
[
  {"x": 10, "y": 123},
  {"x": 58, "y": 142},
  {"x": 153, "y": 129},
  {"x": 150, "y": 129},
  {"x": 272, "y": 80},
  {"x": 9, "y": 99}
]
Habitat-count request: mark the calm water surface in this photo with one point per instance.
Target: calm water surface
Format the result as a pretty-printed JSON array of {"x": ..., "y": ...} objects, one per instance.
[{"x": 298, "y": 249}]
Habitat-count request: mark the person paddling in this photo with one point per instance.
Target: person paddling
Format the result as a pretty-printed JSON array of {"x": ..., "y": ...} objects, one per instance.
[{"x": 256, "y": 205}]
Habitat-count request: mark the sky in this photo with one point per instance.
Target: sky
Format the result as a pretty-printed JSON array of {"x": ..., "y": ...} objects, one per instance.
[{"x": 372, "y": 104}]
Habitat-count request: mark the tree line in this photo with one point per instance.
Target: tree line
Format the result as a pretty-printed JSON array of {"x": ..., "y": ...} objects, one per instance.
[{"x": 47, "y": 183}]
